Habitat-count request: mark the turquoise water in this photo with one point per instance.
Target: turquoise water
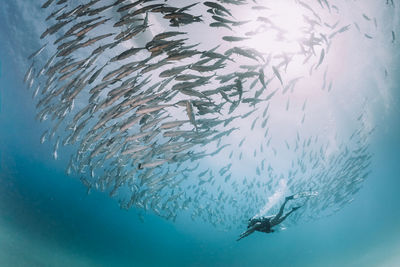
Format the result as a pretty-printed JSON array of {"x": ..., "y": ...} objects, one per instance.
[{"x": 48, "y": 219}]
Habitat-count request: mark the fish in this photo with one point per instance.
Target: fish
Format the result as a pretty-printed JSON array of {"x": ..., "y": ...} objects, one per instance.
[
  {"x": 37, "y": 52},
  {"x": 126, "y": 54},
  {"x": 47, "y": 4},
  {"x": 368, "y": 36},
  {"x": 29, "y": 73},
  {"x": 219, "y": 25},
  {"x": 55, "y": 153},
  {"x": 190, "y": 114},
  {"x": 132, "y": 96},
  {"x": 321, "y": 58},
  {"x": 234, "y": 38},
  {"x": 149, "y": 109},
  {"x": 173, "y": 124},
  {"x": 217, "y": 7},
  {"x": 277, "y": 74},
  {"x": 152, "y": 164}
]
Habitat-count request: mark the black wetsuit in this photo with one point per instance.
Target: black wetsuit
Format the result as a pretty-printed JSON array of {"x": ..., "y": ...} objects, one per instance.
[{"x": 264, "y": 226}]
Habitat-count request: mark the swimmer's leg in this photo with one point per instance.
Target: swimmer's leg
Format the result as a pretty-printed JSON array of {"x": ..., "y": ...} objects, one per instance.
[
  {"x": 286, "y": 215},
  {"x": 275, "y": 220}
]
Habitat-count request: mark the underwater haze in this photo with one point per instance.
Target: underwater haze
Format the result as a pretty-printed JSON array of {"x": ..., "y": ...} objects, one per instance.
[{"x": 147, "y": 133}]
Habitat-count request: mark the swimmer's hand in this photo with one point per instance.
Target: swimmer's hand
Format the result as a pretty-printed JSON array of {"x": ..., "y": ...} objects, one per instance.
[{"x": 249, "y": 231}]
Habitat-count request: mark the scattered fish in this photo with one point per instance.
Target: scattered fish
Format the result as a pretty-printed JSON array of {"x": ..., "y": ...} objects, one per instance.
[{"x": 126, "y": 93}]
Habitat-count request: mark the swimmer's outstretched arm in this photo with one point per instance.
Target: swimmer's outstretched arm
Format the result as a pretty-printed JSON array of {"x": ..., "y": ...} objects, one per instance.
[{"x": 249, "y": 231}]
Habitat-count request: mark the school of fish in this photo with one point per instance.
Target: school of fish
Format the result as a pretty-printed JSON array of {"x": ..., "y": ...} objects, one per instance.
[{"x": 143, "y": 99}]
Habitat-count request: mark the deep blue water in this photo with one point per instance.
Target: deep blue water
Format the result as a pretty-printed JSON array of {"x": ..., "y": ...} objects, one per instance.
[{"x": 47, "y": 219}]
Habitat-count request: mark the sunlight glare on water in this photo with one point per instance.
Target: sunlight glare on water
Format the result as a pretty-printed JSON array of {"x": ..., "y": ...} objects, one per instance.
[{"x": 286, "y": 27}]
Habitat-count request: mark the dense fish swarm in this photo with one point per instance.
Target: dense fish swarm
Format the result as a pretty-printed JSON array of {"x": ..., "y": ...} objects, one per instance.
[{"x": 147, "y": 92}]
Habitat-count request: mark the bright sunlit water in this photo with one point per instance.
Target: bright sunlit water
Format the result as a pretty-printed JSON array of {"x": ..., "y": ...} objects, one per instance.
[{"x": 48, "y": 219}]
